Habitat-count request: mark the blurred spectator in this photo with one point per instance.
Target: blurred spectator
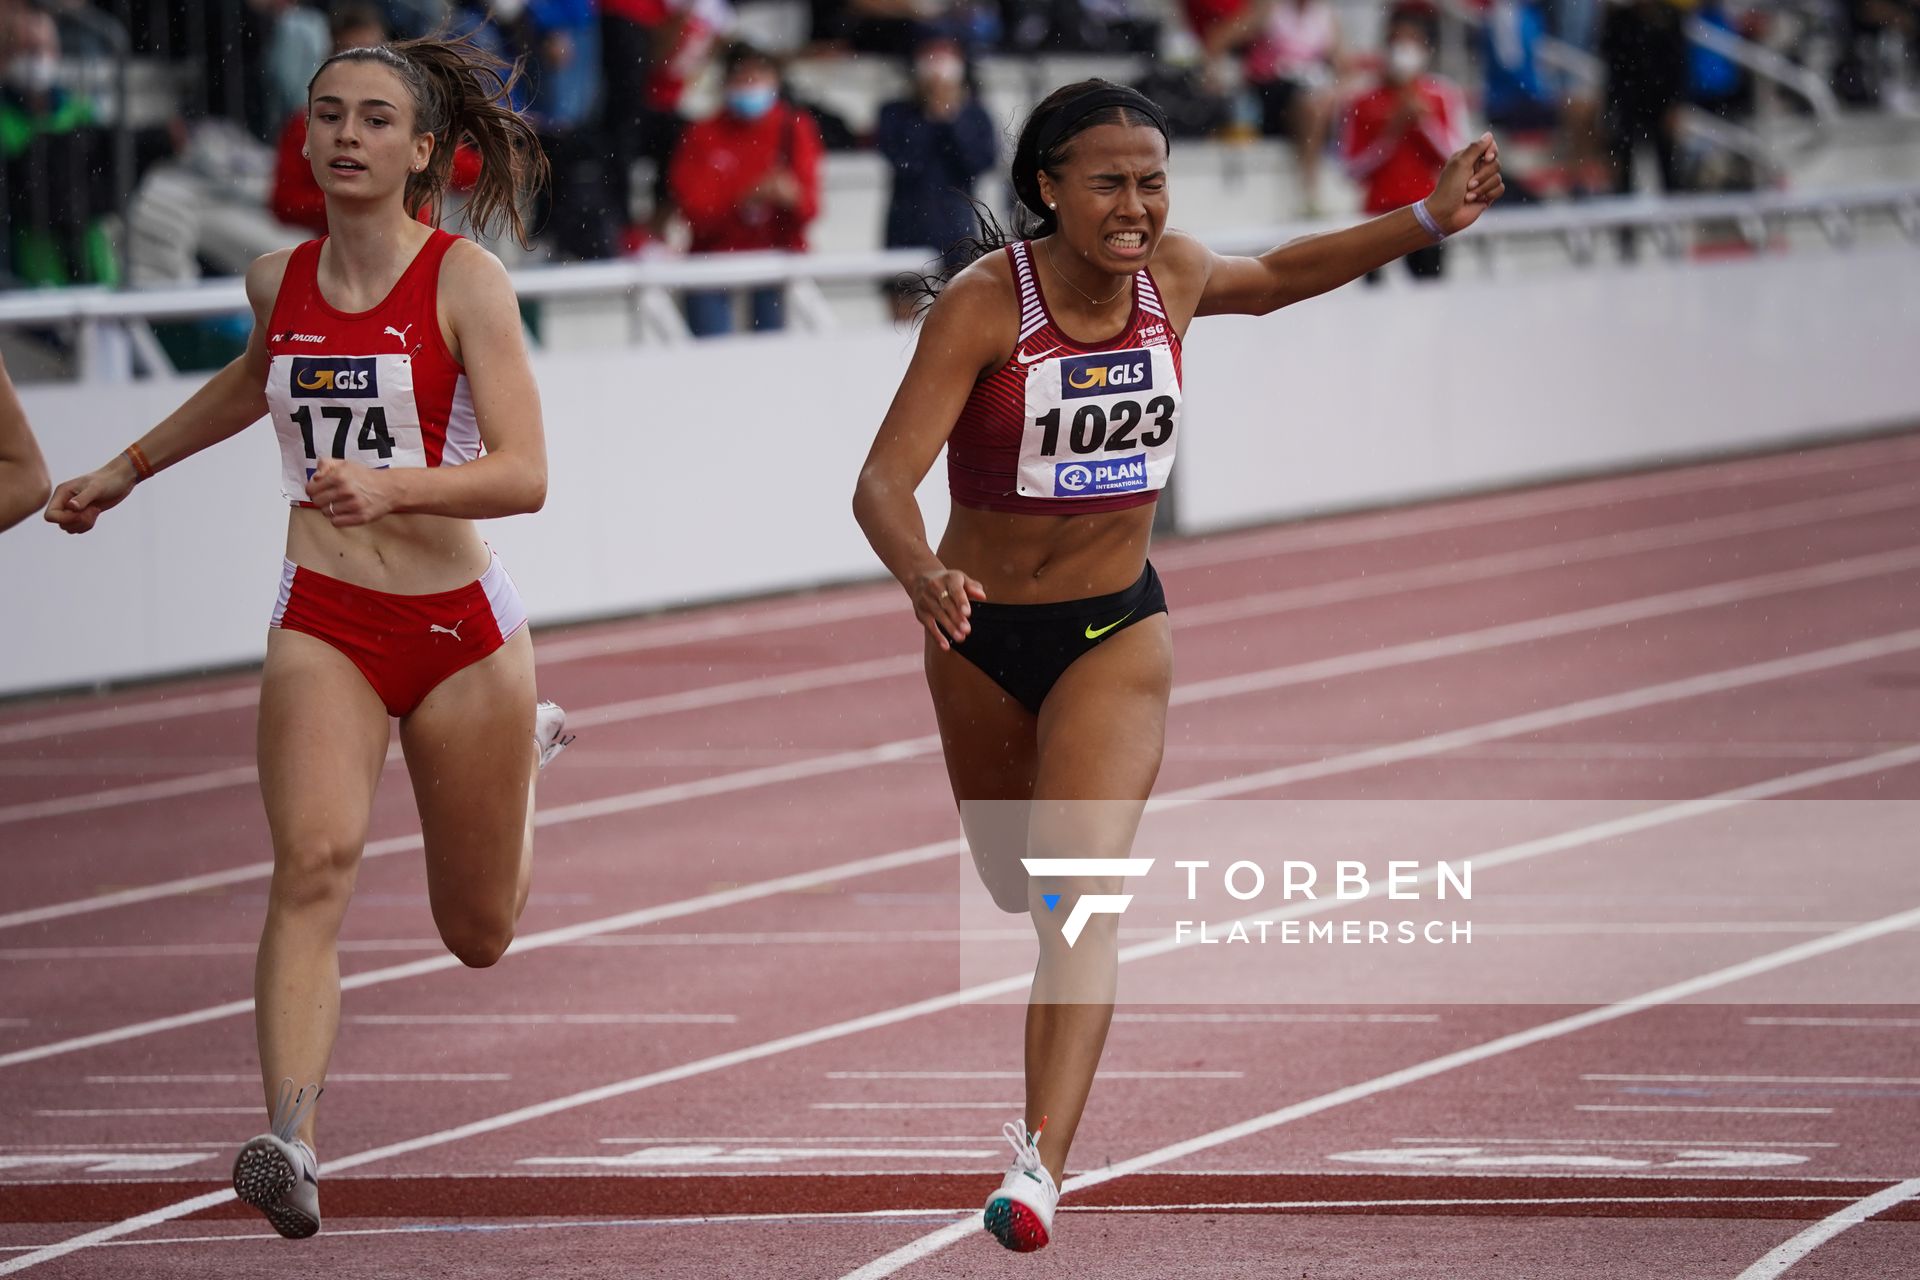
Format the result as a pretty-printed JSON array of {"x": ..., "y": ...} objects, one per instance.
[
  {"x": 56, "y": 168},
  {"x": 938, "y": 142},
  {"x": 1644, "y": 46},
  {"x": 1878, "y": 36},
  {"x": 297, "y": 43},
  {"x": 1523, "y": 96},
  {"x": 1718, "y": 84},
  {"x": 649, "y": 51},
  {"x": 226, "y": 200},
  {"x": 1079, "y": 26},
  {"x": 896, "y": 27},
  {"x": 1400, "y": 134},
  {"x": 296, "y": 199},
  {"x": 1292, "y": 62},
  {"x": 747, "y": 178}
]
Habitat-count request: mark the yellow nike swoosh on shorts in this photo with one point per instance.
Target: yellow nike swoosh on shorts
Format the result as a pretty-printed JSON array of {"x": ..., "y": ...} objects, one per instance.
[{"x": 1095, "y": 635}]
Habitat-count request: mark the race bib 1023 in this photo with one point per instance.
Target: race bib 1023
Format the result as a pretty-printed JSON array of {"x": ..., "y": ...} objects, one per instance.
[{"x": 1100, "y": 424}]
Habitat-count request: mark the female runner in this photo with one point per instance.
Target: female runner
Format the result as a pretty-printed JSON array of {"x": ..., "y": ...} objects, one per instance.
[
  {"x": 1050, "y": 371},
  {"x": 390, "y": 356}
]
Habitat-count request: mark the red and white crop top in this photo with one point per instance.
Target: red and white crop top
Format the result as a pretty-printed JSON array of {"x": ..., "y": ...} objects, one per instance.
[
  {"x": 375, "y": 387},
  {"x": 1063, "y": 427}
]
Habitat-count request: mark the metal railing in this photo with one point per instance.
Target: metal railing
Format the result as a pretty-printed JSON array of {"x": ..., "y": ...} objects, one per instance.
[{"x": 109, "y": 330}]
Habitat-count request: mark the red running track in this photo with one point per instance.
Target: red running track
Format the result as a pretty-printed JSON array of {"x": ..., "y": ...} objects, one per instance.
[{"x": 748, "y": 1030}]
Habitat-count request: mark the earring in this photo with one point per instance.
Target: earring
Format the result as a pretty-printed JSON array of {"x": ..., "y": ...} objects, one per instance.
[
  {"x": 305, "y": 154},
  {"x": 1053, "y": 206}
]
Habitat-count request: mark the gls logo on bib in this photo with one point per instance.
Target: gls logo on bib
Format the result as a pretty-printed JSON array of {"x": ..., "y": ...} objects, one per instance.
[
  {"x": 1105, "y": 373},
  {"x": 334, "y": 377}
]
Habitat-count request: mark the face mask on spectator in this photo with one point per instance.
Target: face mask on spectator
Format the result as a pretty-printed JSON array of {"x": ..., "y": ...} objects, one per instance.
[
  {"x": 940, "y": 69},
  {"x": 33, "y": 73},
  {"x": 1406, "y": 60},
  {"x": 750, "y": 102}
]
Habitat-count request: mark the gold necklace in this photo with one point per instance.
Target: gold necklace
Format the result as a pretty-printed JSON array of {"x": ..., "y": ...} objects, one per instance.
[{"x": 1098, "y": 302}]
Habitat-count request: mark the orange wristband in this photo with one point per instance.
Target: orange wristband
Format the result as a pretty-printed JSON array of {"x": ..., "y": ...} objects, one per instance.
[{"x": 142, "y": 469}]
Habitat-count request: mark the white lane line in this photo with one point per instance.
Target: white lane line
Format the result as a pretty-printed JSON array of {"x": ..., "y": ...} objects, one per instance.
[
  {"x": 987, "y": 991},
  {"x": 798, "y": 937},
  {"x": 97, "y": 1112},
  {"x": 1544, "y": 929},
  {"x": 1003, "y": 1105},
  {"x": 908, "y": 1215},
  {"x": 1019, "y": 1075},
  {"x": 1324, "y": 534},
  {"x": 1724, "y": 1111},
  {"x": 1263, "y": 604},
  {"x": 1291, "y": 674},
  {"x": 137, "y": 793},
  {"x": 540, "y": 1019},
  {"x": 1782, "y": 1257},
  {"x": 1611, "y": 1142},
  {"x": 892, "y": 1262},
  {"x": 1553, "y": 555},
  {"x": 1834, "y": 1022},
  {"x": 705, "y": 697},
  {"x": 790, "y": 1139},
  {"x": 1685, "y": 1079},
  {"x": 651, "y": 797},
  {"x": 1620, "y": 613},
  {"x": 1119, "y": 1016},
  {"x": 1416, "y": 748},
  {"x": 725, "y": 621},
  {"x": 334, "y": 1077}
]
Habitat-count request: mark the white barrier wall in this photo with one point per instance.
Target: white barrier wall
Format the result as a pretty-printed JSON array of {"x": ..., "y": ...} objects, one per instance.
[
  {"x": 1354, "y": 399},
  {"x": 724, "y": 468}
]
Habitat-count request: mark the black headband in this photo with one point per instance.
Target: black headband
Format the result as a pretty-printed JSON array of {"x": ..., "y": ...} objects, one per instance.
[{"x": 1076, "y": 109}]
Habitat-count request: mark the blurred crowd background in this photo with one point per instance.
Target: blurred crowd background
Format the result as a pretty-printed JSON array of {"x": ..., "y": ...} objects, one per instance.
[{"x": 148, "y": 142}]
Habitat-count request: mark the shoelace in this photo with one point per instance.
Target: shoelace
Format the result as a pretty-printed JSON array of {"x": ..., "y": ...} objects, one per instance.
[
  {"x": 291, "y": 1108},
  {"x": 1026, "y": 1146}
]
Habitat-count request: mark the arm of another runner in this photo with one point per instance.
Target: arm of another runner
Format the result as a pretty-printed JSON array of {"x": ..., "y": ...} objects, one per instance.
[
  {"x": 1313, "y": 265},
  {"x": 230, "y": 401},
  {"x": 510, "y": 479},
  {"x": 967, "y": 332},
  {"x": 24, "y": 487}
]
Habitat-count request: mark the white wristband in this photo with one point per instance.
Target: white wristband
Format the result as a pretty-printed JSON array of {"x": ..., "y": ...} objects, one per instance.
[{"x": 1425, "y": 219}]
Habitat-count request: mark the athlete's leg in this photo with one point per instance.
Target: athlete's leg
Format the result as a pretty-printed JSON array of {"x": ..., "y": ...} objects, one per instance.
[
  {"x": 471, "y": 755},
  {"x": 1101, "y": 734},
  {"x": 990, "y": 745},
  {"x": 323, "y": 739}
]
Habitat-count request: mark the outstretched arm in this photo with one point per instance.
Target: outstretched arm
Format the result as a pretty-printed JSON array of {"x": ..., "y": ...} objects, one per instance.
[
  {"x": 23, "y": 472},
  {"x": 227, "y": 404},
  {"x": 1312, "y": 265}
]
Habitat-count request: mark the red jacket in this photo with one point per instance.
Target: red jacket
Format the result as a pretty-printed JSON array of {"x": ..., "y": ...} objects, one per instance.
[
  {"x": 721, "y": 158},
  {"x": 1400, "y": 165},
  {"x": 297, "y": 199}
]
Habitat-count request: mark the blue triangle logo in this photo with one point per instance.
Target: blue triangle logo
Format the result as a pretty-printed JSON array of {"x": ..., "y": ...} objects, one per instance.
[{"x": 1051, "y": 899}]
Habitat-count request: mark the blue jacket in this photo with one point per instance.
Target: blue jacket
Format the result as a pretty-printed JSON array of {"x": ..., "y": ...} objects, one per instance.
[{"x": 934, "y": 166}]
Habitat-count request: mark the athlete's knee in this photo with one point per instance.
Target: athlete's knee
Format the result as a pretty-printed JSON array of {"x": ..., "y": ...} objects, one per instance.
[
  {"x": 314, "y": 872},
  {"x": 478, "y": 939}
]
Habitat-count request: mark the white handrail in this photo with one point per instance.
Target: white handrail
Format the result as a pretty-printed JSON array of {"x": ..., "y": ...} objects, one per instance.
[{"x": 99, "y": 313}]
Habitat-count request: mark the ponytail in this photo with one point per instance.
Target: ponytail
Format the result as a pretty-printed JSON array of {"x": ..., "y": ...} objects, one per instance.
[{"x": 463, "y": 95}]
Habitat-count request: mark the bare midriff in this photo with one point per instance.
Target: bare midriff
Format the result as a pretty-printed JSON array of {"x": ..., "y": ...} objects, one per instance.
[{"x": 1025, "y": 559}]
